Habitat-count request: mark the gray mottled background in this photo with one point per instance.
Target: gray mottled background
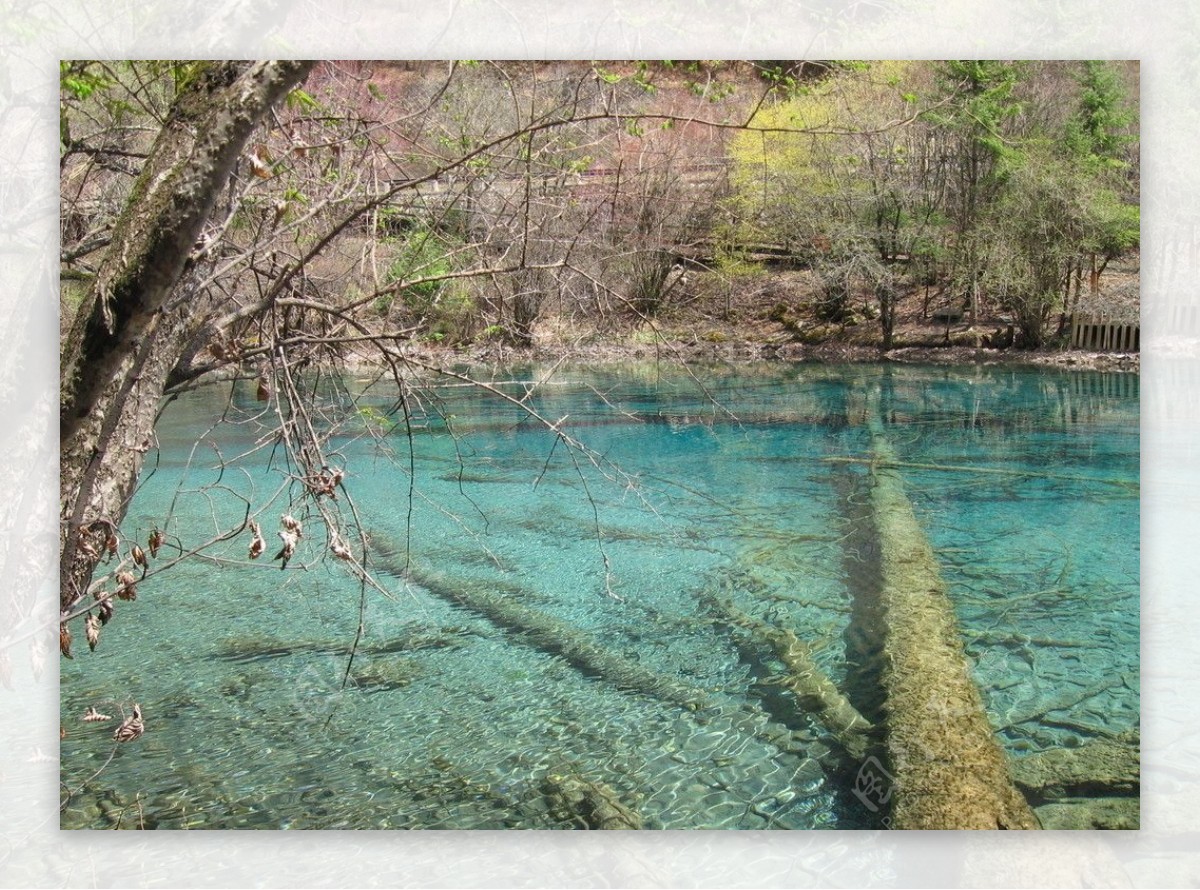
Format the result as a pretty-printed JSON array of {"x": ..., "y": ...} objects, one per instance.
[{"x": 34, "y": 35}]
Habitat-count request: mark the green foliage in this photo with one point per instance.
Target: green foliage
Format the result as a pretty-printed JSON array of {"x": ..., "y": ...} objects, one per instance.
[
  {"x": 641, "y": 77},
  {"x": 375, "y": 421},
  {"x": 1098, "y": 128},
  {"x": 702, "y": 77},
  {"x": 731, "y": 262},
  {"x": 300, "y": 100},
  {"x": 180, "y": 73},
  {"x": 1051, "y": 210},
  {"x": 1115, "y": 227},
  {"x": 648, "y": 336},
  {"x": 609, "y": 77},
  {"x": 774, "y": 173},
  {"x": 826, "y": 169},
  {"x": 383, "y": 303},
  {"x": 81, "y": 80},
  {"x": 423, "y": 258},
  {"x": 778, "y": 74},
  {"x": 792, "y": 77},
  {"x": 97, "y": 96},
  {"x": 422, "y": 271},
  {"x": 981, "y": 99},
  {"x": 1059, "y": 201},
  {"x": 392, "y": 222},
  {"x": 454, "y": 316},
  {"x": 970, "y": 194}
]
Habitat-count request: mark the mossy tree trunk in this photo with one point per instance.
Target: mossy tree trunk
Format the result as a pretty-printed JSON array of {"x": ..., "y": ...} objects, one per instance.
[
  {"x": 134, "y": 322},
  {"x": 950, "y": 772}
]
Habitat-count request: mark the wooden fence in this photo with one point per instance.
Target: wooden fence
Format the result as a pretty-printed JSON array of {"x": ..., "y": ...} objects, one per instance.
[{"x": 1099, "y": 335}]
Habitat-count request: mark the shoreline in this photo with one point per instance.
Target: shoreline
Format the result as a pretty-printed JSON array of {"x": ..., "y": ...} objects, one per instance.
[{"x": 744, "y": 352}]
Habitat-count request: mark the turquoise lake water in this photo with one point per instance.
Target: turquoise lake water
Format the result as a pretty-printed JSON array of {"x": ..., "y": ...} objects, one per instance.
[{"x": 597, "y": 654}]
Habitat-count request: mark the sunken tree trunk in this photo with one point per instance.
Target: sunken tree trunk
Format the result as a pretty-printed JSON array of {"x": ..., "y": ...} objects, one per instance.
[
  {"x": 950, "y": 772},
  {"x": 132, "y": 326}
]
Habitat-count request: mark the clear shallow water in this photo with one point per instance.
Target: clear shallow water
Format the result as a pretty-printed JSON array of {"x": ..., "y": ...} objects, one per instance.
[{"x": 593, "y": 651}]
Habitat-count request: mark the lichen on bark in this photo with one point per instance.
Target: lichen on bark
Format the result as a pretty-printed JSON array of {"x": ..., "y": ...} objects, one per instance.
[{"x": 125, "y": 339}]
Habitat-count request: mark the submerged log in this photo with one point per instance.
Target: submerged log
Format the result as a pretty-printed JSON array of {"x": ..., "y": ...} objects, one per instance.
[
  {"x": 1102, "y": 767},
  {"x": 559, "y": 638},
  {"x": 949, "y": 771},
  {"x": 1069, "y": 700},
  {"x": 547, "y": 633},
  {"x": 813, "y": 689},
  {"x": 875, "y": 460},
  {"x": 1091, "y": 813},
  {"x": 1093, "y": 786},
  {"x": 588, "y": 804}
]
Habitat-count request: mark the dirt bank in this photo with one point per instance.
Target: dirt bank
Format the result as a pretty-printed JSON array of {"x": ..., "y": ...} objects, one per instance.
[{"x": 738, "y": 351}]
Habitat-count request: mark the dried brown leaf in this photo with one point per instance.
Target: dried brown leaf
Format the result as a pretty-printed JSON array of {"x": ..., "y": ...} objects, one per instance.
[
  {"x": 92, "y": 631},
  {"x": 86, "y": 547},
  {"x": 128, "y": 592},
  {"x": 258, "y": 168},
  {"x": 131, "y": 728},
  {"x": 128, "y": 588},
  {"x": 258, "y": 545},
  {"x": 288, "y": 549},
  {"x": 64, "y": 640}
]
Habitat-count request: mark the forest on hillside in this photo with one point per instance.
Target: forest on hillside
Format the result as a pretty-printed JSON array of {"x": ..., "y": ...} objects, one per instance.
[{"x": 519, "y": 202}]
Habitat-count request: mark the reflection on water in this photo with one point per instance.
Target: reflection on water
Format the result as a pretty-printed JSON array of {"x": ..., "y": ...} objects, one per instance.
[{"x": 569, "y": 639}]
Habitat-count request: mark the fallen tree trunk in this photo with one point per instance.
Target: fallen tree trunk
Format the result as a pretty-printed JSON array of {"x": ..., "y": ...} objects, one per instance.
[
  {"x": 984, "y": 471},
  {"x": 949, "y": 771},
  {"x": 548, "y": 634},
  {"x": 588, "y": 804},
  {"x": 813, "y": 689},
  {"x": 1101, "y": 767}
]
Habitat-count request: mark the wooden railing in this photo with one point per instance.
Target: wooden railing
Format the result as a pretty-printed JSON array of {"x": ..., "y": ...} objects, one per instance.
[{"x": 1100, "y": 335}]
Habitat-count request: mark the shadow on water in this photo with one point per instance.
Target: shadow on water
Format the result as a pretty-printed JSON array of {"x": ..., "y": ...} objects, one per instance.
[{"x": 863, "y": 636}]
